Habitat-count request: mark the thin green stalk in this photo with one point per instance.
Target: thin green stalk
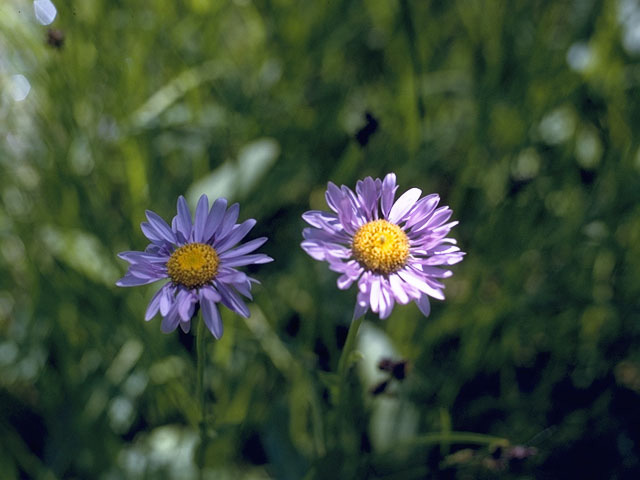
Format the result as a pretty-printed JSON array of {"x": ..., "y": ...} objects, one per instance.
[
  {"x": 349, "y": 343},
  {"x": 453, "y": 437},
  {"x": 343, "y": 372},
  {"x": 457, "y": 438},
  {"x": 201, "y": 393},
  {"x": 405, "y": 11}
]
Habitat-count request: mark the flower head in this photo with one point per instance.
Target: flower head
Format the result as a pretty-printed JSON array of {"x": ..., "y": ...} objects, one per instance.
[
  {"x": 394, "y": 250},
  {"x": 199, "y": 258}
]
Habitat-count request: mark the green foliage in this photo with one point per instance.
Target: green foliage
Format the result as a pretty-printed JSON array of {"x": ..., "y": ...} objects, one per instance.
[{"x": 519, "y": 114}]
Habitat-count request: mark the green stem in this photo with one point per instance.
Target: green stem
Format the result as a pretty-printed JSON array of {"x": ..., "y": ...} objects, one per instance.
[
  {"x": 343, "y": 373},
  {"x": 453, "y": 437},
  {"x": 405, "y": 11},
  {"x": 201, "y": 393},
  {"x": 349, "y": 343}
]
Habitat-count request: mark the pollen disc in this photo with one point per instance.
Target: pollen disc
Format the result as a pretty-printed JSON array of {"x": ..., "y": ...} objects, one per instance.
[
  {"x": 381, "y": 246},
  {"x": 193, "y": 264}
]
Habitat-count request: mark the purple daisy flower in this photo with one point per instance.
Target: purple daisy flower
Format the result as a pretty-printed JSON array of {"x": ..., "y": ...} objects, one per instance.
[
  {"x": 199, "y": 259},
  {"x": 395, "y": 250}
]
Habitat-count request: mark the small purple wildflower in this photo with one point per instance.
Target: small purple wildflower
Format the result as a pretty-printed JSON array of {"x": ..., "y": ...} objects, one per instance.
[
  {"x": 393, "y": 249},
  {"x": 200, "y": 259}
]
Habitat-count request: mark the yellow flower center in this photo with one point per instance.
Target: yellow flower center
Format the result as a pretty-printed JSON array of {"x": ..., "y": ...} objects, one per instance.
[
  {"x": 193, "y": 265},
  {"x": 381, "y": 247}
]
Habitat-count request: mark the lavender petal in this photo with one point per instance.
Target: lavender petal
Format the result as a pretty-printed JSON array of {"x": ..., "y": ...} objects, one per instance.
[
  {"x": 362, "y": 306},
  {"x": 154, "y": 306},
  {"x": 185, "y": 326},
  {"x": 228, "y": 221},
  {"x": 244, "y": 248},
  {"x": 247, "y": 260},
  {"x": 210, "y": 293},
  {"x": 202, "y": 210},
  {"x": 402, "y": 206},
  {"x": 184, "y": 218},
  {"x": 170, "y": 322},
  {"x": 231, "y": 300},
  {"x": 160, "y": 226},
  {"x": 424, "y": 305},
  {"x": 235, "y": 236},
  {"x": 131, "y": 281},
  {"x": 422, "y": 210},
  {"x": 333, "y": 196},
  {"x": 388, "y": 193},
  {"x": 214, "y": 218},
  {"x": 211, "y": 317}
]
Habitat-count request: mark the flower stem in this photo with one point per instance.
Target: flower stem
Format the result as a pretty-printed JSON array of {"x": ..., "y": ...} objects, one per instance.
[
  {"x": 340, "y": 427},
  {"x": 201, "y": 394},
  {"x": 343, "y": 363}
]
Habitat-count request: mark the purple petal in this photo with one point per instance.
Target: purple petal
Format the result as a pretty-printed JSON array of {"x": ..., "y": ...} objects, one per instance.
[
  {"x": 364, "y": 284},
  {"x": 350, "y": 268},
  {"x": 439, "y": 217},
  {"x": 388, "y": 192},
  {"x": 183, "y": 221},
  {"x": 435, "y": 284},
  {"x": 435, "y": 271},
  {"x": 315, "y": 249},
  {"x": 151, "y": 233},
  {"x": 375, "y": 294},
  {"x": 424, "y": 305},
  {"x": 386, "y": 300},
  {"x": 397, "y": 289},
  {"x": 228, "y": 221},
  {"x": 361, "y": 306},
  {"x": 414, "y": 278},
  {"x": 147, "y": 271},
  {"x": 185, "y": 326},
  {"x": 445, "y": 249},
  {"x": 402, "y": 206},
  {"x": 180, "y": 238},
  {"x": 256, "y": 258},
  {"x": 327, "y": 235},
  {"x": 154, "y": 305},
  {"x": 160, "y": 226},
  {"x": 444, "y": 229},
  {"x": 132, "y": 281},
  {"x": 345, "y": 281},
  {"x": 186, "y": 302},
  {"x": 211, "y": 317},
  {"x": 423, "y": 208},
  {"x": 143, "y": 257},
  {"x": 244, "y": 288},
  {"x": 231, "y": 276},
  {"x": 170, "y": 322},
  {"x": 429, "y": 222},
  {"x": 430, "y": 241},
  {"x": 320, "y": 219},
  {"x": 210, "y": 293},
  {"x": 368, "y": 197},
  {"x": 333, "y": 196},
  {"x": 353, "y": 199},
  {"x": 202, "y": 210},
  {"x": 235, "y": 236},
  {"x": 244, "y": 249},
  {"x": 231, "y": 300},
  {"x": 215, "y": 217},
  {"x": 447, "y": 259},
  {"x": 167, "y": 300},
  {"x": 346, "y": 216},
  {"x": 322, "y": 250}
]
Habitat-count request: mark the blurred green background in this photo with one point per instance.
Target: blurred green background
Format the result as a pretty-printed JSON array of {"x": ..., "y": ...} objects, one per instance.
[{"x": 519, "y": 114}]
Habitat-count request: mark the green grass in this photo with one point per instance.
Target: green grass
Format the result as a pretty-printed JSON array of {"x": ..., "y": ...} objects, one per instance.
[{"x": 260, "y": 101}]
